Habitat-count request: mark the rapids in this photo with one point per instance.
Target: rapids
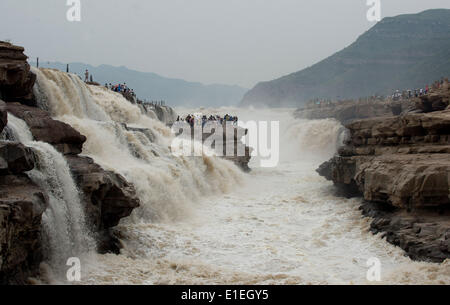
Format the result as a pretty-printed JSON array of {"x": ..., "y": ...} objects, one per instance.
[
  {"x": 283, "y": 226},
  {"x": 65, "y": 233},
  {"x": 202, "y": 221}
]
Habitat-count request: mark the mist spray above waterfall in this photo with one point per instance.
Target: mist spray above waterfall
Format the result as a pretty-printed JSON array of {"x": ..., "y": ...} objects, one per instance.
[
  {"x": 65, "y": 233},
  {"x": 124, "y": 139}
]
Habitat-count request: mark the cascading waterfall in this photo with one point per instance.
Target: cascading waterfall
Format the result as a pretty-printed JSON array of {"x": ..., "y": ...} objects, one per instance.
[
  {"x": 65, "y": 233},
  {"x": 284, "y": 226},
  {"x": 314, "y": 139},
  {"x": 309, "y": 140},
  {"x": 123, "y": 139}
]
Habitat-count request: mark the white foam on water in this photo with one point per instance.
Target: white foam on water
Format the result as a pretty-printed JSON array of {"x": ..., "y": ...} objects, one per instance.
[
  {"x": 283, "y": 225},
  {"x": 168, "y": 186},
  {"x": 65, "y": 233}
]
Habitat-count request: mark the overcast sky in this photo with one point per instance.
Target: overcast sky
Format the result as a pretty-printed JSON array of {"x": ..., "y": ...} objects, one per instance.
[{"x": 212, "y": 41}]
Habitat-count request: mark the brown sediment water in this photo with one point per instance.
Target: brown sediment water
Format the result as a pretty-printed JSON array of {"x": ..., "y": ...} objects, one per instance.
[{"x": 203, "y": 221}]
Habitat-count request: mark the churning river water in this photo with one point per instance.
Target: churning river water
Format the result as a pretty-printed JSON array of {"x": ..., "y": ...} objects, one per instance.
[
  {"x": 281, "y": 225},
  {"x": 202, "y": 220}
]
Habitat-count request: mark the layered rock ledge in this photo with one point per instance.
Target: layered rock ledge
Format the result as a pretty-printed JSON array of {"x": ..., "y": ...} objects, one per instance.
[
  {"x": 400, "y": 165},
  {"x": 228, "y": 138},
  {"x": 16, "y": 80}
]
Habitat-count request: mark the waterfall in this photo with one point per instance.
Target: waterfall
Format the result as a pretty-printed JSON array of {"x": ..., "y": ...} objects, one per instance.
[
  {"x": 313, "y": 139},
  {"x": 123, "y": 138},
  {"x": 65, "y": 233}
]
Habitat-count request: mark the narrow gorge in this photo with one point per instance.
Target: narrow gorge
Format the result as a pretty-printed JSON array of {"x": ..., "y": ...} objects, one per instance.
[
  {"x": 400, "y": 165},
  {"x": 89, "y": 173}
]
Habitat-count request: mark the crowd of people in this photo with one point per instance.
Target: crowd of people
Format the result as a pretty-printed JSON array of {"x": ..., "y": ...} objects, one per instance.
[
  {"x": 408, "y": 94},
  {"x": 121, "y": 88},
  {"x": 397, "y": 95},
  {"x": 204, "y": 119}
]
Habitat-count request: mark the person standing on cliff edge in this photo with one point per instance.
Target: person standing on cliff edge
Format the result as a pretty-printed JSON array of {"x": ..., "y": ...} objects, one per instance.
[{"x": 86, "y": 76}]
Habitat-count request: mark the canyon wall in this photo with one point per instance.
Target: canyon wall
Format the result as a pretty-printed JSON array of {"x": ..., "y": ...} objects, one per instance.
[
  {"x": 348, "y": 111},
  {"x": 401, "y": 52},
  {"x": 401, "y": 167}
]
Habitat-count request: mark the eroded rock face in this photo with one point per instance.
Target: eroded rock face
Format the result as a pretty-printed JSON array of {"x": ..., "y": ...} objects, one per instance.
[
  {"x": 16, "y": 80},
  {"x": 164, "y": 114},
  {"x": 61, "y": 135},
  {"x": 22, "y": 204},
  {"x": 231, "y": 141},
  {"x": 15, "y": 158},
  {"x": 3, "y": 116},
  {"x": 348, "y": 111},
  {"x": 241, "y": 160},
  {"x": 402, "y": 162},
  {"x": 108, "y": 197},
  {"x": 423, "y": 234},
  {"x": 435, "y": 101}
]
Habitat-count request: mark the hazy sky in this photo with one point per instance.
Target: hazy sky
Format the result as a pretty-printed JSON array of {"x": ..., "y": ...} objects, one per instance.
[{"x": 212, "y": 41}]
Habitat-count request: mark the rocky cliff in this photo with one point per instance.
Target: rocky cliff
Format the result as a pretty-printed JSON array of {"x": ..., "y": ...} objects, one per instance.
[
  {"x": 402, "y": 52},
  {"x": 347, "y": 111},
  {"x": 16, "y": 80},
  {"x": 241, "y": 154},
  {"x": 401, "y": 167},
  {"x": 107, "y": 196},
  {"x": 227, "y": 145}
]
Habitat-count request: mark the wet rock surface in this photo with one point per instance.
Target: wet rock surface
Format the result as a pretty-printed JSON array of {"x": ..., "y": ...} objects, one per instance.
[
  {"x": 43, "y": 128},
  {"x": 15, "y": 158},
  {"x": 22, "y": 204},
  {"x": 241, "y": 153},
  {"x": 402, "y": 162},
  {"x": 107, "y": 195},
  {"x": 348, "y": 111},
  {"x": 424, "y": 233},
  {"x": 234, "y": 149}
]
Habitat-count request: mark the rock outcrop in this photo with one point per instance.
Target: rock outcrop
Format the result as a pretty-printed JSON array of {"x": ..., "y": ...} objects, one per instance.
[
  {"x": 164, "y": 114},
  {"x": 43, "y": 128},
  {"x": 402, "y": 163},
  {"x": 16, "y": 80},
  {"x": 15, "y": 158},
  {"x": 435, "y": 101},
  {"x": 228, "y": 146},
  {"x": 22, "y": 204},
  {"x": 241, "y": 155},
  {"x": 108, "y": 196},
  {"x": 348, "y": 111},
  {"x": 423, "y": 234}
]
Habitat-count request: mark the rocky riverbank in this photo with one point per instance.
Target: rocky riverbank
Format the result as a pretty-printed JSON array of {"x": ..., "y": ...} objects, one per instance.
[
  {"x": 107, "y": 196},
  {"x": 400, "y": 165},
  {"x": 351, "y": 110}
]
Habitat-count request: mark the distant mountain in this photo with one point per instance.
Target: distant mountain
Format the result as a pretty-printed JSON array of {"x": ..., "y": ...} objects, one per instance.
[
  {"x": 151, "y": 86},
  {"x": 407, "y": 51}
]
